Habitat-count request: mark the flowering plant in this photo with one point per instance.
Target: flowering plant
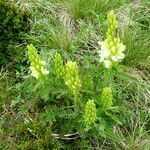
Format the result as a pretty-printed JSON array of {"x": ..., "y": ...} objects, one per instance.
[
  {"x": 112, "y": 49},
  {"x": 72, "y": 79},
  {"x": 37, "y": 66},
  {"x": 90, "y": 107}
]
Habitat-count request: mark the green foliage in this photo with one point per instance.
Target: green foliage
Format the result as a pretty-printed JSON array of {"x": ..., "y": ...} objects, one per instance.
[
  {"x": 13, "y": 27},
  {"x": 87, "y": 82}
]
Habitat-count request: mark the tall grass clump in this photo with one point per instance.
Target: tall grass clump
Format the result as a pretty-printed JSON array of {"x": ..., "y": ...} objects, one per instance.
[{"x": 135, "y": 29}]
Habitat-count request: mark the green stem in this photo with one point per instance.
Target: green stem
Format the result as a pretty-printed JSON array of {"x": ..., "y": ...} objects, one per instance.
[
  {"x": 75, "y": 102},
  {"x": 108, "y": 78}
]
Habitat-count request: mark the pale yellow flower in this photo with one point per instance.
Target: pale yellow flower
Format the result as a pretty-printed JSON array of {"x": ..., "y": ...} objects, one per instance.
[
  {"x": 37, "y": 66},
  {"x": 112, "y": 49}
]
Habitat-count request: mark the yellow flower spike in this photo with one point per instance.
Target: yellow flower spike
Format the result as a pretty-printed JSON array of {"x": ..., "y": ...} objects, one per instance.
[
  {"x": 32, "y": 53},
  {"x": 58, "y": 65},
  {"x": 72, "y": 79},
  {"x": 112, "y": 49},
  {"x": 37, "y": 66},
  {"x": 106, "y": 98},
  {"x": 90, "y": 112}
]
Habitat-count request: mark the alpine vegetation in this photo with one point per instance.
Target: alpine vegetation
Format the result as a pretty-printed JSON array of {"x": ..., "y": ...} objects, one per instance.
[{"x": 59, "y": 96}]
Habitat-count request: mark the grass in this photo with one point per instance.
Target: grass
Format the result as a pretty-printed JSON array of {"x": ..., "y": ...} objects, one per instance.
[
  {"x": 135, "y": 28},
  {"x": 32, "y": 112}
]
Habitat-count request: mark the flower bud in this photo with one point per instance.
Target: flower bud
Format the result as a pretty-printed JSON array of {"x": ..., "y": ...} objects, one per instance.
[
  {"x": 72, "y": 77},
  {"x": 58, "y": 66},
  {"x": 106, "y": 98},
  {"x": 90, "y": 112}
]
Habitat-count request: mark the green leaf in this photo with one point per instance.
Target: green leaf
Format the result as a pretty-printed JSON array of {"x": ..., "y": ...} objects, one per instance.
[
  {"x": 50, "y": 116},
  {"x": 116, "y": 119}
]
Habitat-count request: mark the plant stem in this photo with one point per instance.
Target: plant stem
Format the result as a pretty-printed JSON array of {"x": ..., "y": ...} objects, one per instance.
[
  {"x": 108, "y": 78},
  {"x": 75, "y": 102}
]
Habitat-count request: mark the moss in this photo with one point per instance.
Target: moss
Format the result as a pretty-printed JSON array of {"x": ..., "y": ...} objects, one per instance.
[{"x": 13, "y": 26}]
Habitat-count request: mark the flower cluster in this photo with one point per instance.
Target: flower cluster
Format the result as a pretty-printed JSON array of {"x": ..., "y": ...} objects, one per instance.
[
  {"x": 111, "y": 48},
  {"x": 37, "y": 66},
  {"x": 72, "y": 79},
  {"x": 90, "y": 112},
  {"x": 106, "y": 98},
  {"x": 58, "y": 65}
]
